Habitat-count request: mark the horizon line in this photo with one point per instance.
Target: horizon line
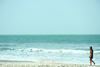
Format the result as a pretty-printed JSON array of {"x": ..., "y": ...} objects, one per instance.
[{"x": 49, "y": 34}]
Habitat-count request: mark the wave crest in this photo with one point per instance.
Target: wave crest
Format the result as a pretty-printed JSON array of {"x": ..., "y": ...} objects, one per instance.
[
  {"x": 3, "y": 49},
  {"x": 55, "y": 51},
  {"x": 50, "y": 50},
  {"x": 58, "y": 51}
]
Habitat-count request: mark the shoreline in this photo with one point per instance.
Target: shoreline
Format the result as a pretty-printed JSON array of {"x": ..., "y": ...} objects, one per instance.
[
  {"x": 7, "y": 63},
  {"x": 15, "y": 61}
]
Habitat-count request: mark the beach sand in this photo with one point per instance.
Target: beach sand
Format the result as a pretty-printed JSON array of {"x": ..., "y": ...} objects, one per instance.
[{"x": 32, "y": 64}]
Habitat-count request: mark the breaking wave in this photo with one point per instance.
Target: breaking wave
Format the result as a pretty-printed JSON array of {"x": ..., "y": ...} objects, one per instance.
[{"x": 49, "y": 50}]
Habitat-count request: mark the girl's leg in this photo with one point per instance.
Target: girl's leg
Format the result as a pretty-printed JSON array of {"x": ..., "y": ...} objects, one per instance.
[
  {"x": 93, "y": 62},
  {"x": 90, "y": 61}
]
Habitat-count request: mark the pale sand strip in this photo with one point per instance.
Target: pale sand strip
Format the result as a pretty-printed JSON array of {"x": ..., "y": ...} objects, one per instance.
[{"x": 31, "y": 64}]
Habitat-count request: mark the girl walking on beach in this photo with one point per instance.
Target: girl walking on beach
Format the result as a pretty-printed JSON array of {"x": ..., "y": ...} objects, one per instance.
[{"x": 91, "y": 56}]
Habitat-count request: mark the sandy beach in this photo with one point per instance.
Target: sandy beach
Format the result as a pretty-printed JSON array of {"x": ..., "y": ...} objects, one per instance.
[{"x": 39, "y": 64}]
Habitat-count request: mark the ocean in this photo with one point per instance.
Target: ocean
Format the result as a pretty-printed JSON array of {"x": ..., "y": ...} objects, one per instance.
[{"x": 72, "y": 49}]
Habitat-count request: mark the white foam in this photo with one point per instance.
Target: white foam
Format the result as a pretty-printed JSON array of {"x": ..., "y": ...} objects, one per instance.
[
  {"x": 55, "y": 51},
  {"x": 17, "y": 58}
]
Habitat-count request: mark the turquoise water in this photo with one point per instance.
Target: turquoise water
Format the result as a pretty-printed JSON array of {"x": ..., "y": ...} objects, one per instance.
[{"x": 50, "y": 48}]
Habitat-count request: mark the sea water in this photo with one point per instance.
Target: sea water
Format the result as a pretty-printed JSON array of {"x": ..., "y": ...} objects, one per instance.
[{"x": 72, "y": 49}]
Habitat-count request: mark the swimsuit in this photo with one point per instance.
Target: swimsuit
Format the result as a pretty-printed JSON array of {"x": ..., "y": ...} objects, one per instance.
[{"x": 92, "y": 55}]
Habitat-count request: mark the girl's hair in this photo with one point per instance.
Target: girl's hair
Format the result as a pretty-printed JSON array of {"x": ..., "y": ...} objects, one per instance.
[{"x": 90, "y": 47}]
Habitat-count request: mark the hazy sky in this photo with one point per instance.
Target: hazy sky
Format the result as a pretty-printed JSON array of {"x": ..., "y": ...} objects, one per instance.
[{"x": 49, "y": 16}]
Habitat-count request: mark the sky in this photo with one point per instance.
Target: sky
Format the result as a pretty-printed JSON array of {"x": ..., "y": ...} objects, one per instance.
[{"x": 49, "y": 17}]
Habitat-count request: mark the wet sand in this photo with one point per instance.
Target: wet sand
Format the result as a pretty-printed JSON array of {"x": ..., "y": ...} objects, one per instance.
[{"x": 32, "y": 64}]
